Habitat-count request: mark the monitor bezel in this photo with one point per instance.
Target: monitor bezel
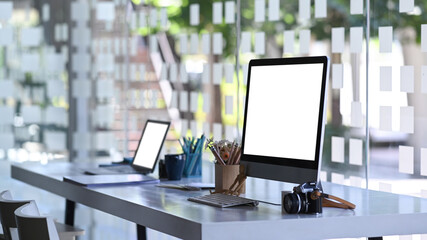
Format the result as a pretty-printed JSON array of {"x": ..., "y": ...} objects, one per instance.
[
  {"x": 288, "y": 162},
  {"x": 144, "y": 169}
]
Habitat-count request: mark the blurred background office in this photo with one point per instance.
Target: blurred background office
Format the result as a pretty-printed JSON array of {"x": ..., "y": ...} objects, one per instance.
[{"x": 79, "y": 78}]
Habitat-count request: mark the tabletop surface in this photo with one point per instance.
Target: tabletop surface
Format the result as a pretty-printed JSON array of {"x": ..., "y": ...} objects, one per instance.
[{"x": 390, "y": 213}]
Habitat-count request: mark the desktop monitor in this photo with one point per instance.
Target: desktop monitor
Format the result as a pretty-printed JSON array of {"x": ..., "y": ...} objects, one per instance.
[{"x": 284, "y": 118}]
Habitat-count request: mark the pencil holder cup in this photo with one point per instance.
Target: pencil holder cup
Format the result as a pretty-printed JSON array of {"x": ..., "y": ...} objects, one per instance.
[
  {"x": 193, "y": 165},
  {"x": 225, "y": 175}
]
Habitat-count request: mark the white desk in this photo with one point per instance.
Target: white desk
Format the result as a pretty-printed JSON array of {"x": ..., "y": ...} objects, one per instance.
[{"x": 168, "y": 211}]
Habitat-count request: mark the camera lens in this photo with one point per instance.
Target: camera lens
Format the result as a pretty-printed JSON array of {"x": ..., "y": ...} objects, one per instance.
[{"x": 292, "y": 203}]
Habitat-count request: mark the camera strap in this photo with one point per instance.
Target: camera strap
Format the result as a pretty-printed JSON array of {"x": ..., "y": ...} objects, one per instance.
[{"x": 336, "y": 202}]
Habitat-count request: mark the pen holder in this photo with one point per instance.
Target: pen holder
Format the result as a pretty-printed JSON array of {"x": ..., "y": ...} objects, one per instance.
[
  {"x": 225, "y": 175},
  {"x": 193, "y": 165}
]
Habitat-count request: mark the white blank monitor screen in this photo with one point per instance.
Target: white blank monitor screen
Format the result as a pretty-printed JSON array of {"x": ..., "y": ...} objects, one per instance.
[
  {"x": 283, "y": 107},
  {"x": 150, "y": 144}
]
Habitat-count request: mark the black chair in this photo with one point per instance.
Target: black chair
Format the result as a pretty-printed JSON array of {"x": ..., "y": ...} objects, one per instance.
[
  {"x": 31, "y": 226},
  {"x": 7, "y": 215},
  {"x": 8, "y": 206}
]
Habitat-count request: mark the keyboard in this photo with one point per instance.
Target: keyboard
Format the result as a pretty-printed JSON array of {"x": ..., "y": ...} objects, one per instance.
[{"x": 223, "y": 200}]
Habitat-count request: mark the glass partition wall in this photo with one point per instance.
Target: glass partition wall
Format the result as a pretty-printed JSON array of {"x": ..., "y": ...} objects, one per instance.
[
  {"x": 397, "y": 98},
  {"x": 79, "y": 78},
  {"x": 34, "y": 80}
]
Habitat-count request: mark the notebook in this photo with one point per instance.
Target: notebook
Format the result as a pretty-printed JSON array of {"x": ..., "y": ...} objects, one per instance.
[
  {"x": 146, "y": 154},
  {"x": 109, "y": 180}
]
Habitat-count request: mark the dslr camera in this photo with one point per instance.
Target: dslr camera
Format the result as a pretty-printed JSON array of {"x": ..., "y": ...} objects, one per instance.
[{"x": 305, "y": 198}]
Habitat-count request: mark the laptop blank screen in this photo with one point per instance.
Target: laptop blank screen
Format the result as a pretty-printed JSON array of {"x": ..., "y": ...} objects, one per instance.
[{"x": 150, "y": 144}]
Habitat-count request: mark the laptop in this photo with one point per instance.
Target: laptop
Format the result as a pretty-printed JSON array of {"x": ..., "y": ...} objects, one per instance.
[{"x": 146, "y": 154}]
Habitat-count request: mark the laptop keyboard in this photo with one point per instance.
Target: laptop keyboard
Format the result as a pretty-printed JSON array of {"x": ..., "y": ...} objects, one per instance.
[{"x": 223, "y": 200}]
